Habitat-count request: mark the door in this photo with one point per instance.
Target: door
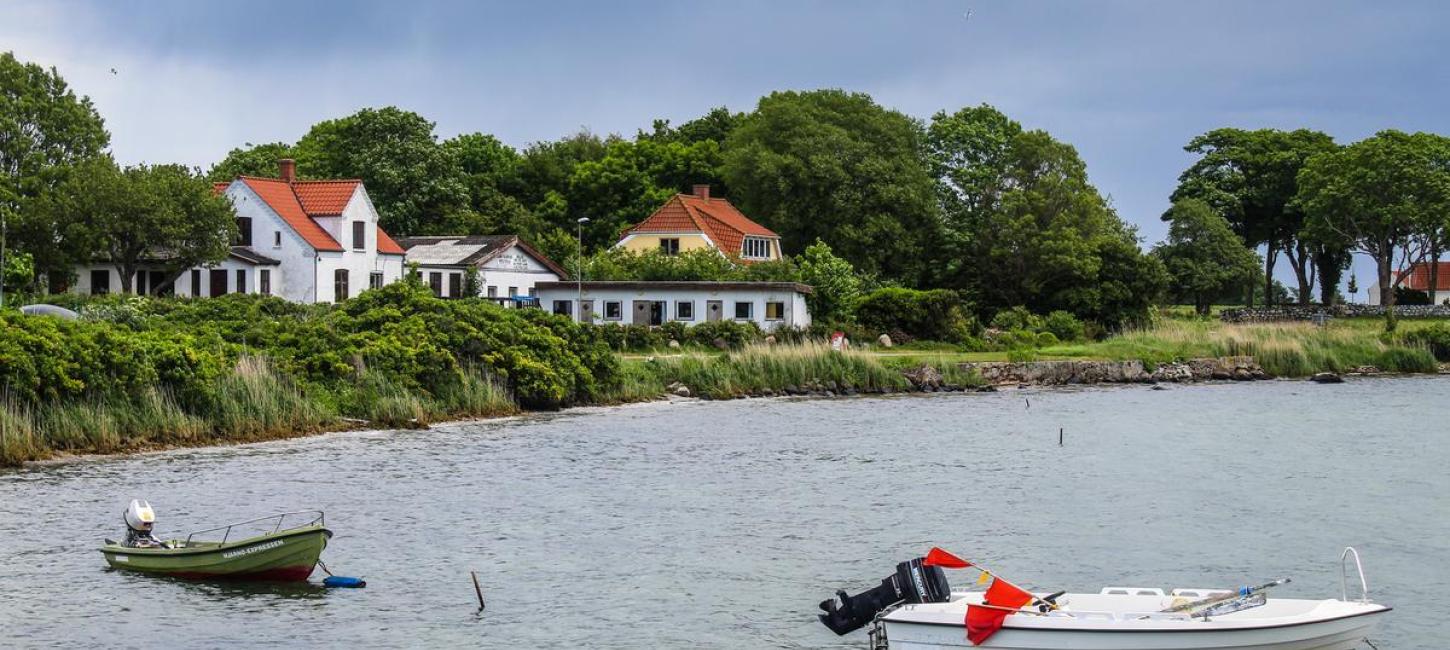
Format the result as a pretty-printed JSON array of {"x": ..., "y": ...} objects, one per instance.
[
  {"x": 218, "y": 282},
  {"x": 641, "y": 312},
  {"x": 657, "y": 313},
  {"x": 586, "y": 311},
  {"x": 713, "y": 309}
]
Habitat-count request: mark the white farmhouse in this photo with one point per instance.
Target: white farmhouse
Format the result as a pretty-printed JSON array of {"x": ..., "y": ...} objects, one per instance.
[
  {"x": 768, "y": 304},
  {"x": 306, "y": 241},
  {"x": 507, "y": 268}
]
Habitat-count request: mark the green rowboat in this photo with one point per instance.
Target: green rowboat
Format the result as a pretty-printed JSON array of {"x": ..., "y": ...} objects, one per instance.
[{"x": 283, "y": 554}]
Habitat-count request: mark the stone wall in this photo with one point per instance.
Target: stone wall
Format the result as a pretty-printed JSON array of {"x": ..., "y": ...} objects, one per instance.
[
  {"x": 1307, "y": 312},
  {"x": 1057, "y": 373}
]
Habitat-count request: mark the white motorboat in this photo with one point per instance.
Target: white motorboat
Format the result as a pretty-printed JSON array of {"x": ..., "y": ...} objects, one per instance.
[{"x": 927, "y": 616}]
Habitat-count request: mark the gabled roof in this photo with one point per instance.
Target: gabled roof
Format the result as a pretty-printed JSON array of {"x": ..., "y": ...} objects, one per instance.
[
  {"x": 717, "y": 218},
  {"x": 299, "y": 203},
  {"x": 386, "y": 245},
  {"x": 470, "y": 250},
  {"x": 1417, "y": 277},
  {"x": 325, "y": 198}
]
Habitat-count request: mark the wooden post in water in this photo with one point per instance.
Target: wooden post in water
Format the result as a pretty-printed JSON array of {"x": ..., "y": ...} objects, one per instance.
[
  {"x": 477, "y": 589},
  {"x": 1059, "y": 436}
]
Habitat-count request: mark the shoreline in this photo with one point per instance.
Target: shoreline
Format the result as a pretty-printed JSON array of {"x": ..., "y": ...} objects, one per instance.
[{"x": 68, "y": 458}]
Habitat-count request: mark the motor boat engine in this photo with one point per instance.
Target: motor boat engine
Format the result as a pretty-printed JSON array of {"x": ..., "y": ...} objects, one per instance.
[
  {"x": 139, "y": 517},
  {"x": 913, "y": 582}
]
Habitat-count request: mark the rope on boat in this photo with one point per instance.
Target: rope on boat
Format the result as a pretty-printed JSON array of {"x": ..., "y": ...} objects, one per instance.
[{"x": 1371, "y": 644}]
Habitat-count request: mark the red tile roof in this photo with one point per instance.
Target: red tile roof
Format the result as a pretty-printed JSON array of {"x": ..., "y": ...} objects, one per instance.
[
  {"x": 386, "y": 245},
  {"x": 279, "y": 195},
  {"x": 715, "y": 217},
  {"x": 299, "y": 203},
  {"x": 1418, "y": 277},
  {"x": 325, "y": 198}
]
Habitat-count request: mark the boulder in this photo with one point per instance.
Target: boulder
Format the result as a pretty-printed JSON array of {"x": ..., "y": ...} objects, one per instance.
[
  {"x": 770, "y": 340},
  {"x": 923, "y": 377},
  {"x": 721, "y": 344},
  {"x": 884, "y": 340},
  {"x": 1326, "y": 378},
  {"x": 678, "y": 389},
  {"x": 673, "y": 344}
]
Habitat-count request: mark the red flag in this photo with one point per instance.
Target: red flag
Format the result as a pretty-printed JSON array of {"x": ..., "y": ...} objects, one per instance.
[
  {"x": 938, "y": 557},
  {"x": 983, "y": 622}
]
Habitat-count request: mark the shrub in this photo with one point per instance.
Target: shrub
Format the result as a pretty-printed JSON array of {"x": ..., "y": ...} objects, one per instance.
[
  {"x": 1064, "y": 326},
  {"x": 934, "y": 315},
  {"x": 1408, "y": 296},
  {"x": 1017, "y": 318},
  {"x": 1435, "y": 338}
]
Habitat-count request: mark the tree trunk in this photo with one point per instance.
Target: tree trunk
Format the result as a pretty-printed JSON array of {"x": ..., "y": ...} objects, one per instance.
[
  {"x": 1434, "y": 271},
  {"x": 1269, "y": 257},
  {"x": 1387, "y": 293},
  {"x": 1249, "y": 294},
  {"x": 128, "y": 273},
  {"x": 1299, "y": 261},
  {"x": 1202, "y": 304}
]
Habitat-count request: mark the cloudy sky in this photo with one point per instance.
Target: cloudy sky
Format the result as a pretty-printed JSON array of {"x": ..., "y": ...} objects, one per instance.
[{"x": 1128, "y": 83}]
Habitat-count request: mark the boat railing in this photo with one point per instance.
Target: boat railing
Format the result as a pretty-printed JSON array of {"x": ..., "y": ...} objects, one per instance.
[
  {"x": 305, "y": 517},
  {"x": 1344, "y": 575}
]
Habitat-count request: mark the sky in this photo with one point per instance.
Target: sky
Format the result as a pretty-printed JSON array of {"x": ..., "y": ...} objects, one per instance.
[{"x": 1128, "y": 83}]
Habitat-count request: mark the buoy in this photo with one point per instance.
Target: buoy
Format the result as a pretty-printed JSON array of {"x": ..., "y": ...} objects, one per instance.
[{"x": 344, "y": 581}]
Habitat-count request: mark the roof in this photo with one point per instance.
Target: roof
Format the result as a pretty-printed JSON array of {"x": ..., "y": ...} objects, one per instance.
[
  {"x": 641, "y": 285},
  {"x": 717, "y": 218},
  {"x": 250, "y": 256},
  {"x": 300, "y": 203},
  {"x": 1417, "y": 277},
  {"x": 469, "y": 250}
]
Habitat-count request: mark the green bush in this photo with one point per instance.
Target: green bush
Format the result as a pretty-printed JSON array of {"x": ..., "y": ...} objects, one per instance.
[
  {"x": 909, "y": 314},
  {"x": 1435, "y": 338},
  {"x": 1064, "y": 326},
  {"x": 1017, "y": 318}
]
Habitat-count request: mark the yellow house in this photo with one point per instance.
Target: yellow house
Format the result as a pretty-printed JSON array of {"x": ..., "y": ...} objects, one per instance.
[{"x": 694, "y": 221}]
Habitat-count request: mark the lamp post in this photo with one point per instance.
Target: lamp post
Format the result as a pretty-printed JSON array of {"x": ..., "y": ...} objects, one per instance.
[{"x": 579, "y": 272}]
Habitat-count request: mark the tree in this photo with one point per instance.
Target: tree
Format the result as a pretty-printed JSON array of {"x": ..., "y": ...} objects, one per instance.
[
  {"x": 834, "y": 281},
  {"x": 1378, "y": 194},
  {"x": 1202, "y": 254},
  {"x": 412, "y": 180},
  {"x": 1250, "y": 177},
  {"x": 45, "y": 129},
  {"x": 1023, "y": 226},
  {"x": 837, "y": 167},
  {"x": 251, "y": 160},
  {"x": 154, "y": 215}
]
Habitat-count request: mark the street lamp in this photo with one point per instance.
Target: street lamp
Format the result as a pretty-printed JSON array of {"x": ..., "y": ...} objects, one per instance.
[{"x": 579, "y": 272}]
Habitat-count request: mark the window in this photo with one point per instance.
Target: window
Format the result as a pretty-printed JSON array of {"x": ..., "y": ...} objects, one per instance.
[
  {"x": 613, "y": 310},
  {"x": 492, "y": 291},
  {"x": 533, "y": 293},
  {"x": 241, "y": 281},
  {"x": 455, "y": 285},
  {"x": 141, "y": 283},
  {"x": 264, "y": 281},
  {"x": 276, "y": 239},
  {"x": 339, "y": 285},
  {"x": 375, "y": 280},
  {"x": 196, "y": 283},
  {"x": 743, "y": 310},
  {"x": 244, "y": 231},
  {"x": 684, "y": 310},
  {"x": 513, "y": 291},
  {"x": 435, "y": 281},
  {"x": 755, "y": 248},
  {"x": 100, "y": 282},
  {"x": 774, "y": 311},
  {"x": 159, "y": 286},
  {"x": 359, "y": 235},
  {"x": 670, "y": 246},
  {"x": 564, "y": 307}
]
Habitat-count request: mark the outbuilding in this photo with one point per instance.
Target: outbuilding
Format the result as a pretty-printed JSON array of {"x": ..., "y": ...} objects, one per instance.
[
  {"x": 768, "y": 304},
  {"x": 500, "y": 267}
]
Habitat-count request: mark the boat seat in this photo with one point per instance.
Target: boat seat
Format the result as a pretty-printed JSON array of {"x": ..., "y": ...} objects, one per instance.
[{"x": 1131, "y": 591}]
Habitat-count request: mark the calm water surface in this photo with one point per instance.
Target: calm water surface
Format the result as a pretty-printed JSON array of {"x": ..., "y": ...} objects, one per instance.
[{"x": 721, "y": 524}]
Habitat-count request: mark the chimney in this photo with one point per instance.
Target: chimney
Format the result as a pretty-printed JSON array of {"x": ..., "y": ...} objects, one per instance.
[
  {"x": 287, "y": 168},
  {"x": 703, "y": 191}
]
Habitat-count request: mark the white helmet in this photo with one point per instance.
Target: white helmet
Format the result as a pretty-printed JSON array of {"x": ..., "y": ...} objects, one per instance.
[{"x": 139, "y": 516}]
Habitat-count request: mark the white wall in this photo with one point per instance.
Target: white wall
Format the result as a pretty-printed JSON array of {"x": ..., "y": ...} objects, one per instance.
[
  {"x": 184, "y": 286},
  {"x": 796, "y": 314},
  {"x": 360, "y": 264},
  {"x": 514, "y": 268}
]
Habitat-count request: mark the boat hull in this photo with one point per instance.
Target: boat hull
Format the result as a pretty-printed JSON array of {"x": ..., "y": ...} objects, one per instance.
[{"x": 289, "y": 555}]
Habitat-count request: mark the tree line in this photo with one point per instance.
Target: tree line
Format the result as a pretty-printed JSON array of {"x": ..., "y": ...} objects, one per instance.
[{"x": 968, "y": 200}]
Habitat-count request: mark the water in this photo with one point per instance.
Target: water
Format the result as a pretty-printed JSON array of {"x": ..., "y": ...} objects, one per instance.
[{"x": 722, "y": 524}]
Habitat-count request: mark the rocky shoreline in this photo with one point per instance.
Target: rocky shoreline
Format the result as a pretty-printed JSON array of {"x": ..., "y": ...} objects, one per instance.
[{"x": 1060, "y": 373}]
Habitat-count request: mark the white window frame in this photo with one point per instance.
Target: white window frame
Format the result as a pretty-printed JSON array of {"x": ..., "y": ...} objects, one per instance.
[
  {"x": 618, "y": 309},
  {"x": 749, "y": 310},
  {"x": 680, "y": 315},
  {"x": 755, "y": 248}
]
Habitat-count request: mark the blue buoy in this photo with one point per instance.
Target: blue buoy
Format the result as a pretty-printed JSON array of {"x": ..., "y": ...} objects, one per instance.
[{"x": 344, "y": 581}]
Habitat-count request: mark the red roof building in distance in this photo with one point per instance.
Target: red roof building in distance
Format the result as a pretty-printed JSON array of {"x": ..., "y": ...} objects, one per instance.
[{"x": 698, "y": 221}]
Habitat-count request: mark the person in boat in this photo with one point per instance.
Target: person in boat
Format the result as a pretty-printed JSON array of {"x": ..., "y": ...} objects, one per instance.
[{"x": 139, "y": 521}]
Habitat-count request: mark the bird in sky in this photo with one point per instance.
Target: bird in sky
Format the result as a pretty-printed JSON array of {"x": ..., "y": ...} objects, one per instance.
[{"x": 113, "y": 70}]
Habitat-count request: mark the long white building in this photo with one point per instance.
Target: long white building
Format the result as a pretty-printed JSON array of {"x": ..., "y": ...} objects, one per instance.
[
  {"x": 306, "y": 241},
  {"x": 768, "y": 304},
  {"x": 505, "y": 268}
]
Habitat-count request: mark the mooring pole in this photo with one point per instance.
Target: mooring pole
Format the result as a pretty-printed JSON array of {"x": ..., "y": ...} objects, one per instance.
[
  {"x": 477, "y": 589},
  {"x": 1059, "y": 436}
]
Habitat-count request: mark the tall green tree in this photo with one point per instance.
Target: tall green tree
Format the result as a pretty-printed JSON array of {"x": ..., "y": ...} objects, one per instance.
[
  {"x": 152, "y": 215},
  {"x": 1023, "y": 226},
  {"x": 1379, "y": 194},
  {"x": 45, "y": 129},
  {"x": 837, "y": 167},
  {"x": 410, "y": 177},
  {"x": 1250, "y": 177},
  {"x": 836, "y": 286},
  {"x": 1203, "y": 255},
  {"x": 251, "y": 160}
]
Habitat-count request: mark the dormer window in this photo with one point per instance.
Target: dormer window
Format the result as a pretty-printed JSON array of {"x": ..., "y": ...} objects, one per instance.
[{"x": 755, "y": 248}]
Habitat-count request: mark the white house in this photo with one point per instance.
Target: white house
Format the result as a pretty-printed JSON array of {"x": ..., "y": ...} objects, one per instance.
[
  {"x": 306, "y": 241},
  {"x": 768, "y": 304},
  {"x": 507, "y": 268},
  {"x": 1417, "y": 277}
]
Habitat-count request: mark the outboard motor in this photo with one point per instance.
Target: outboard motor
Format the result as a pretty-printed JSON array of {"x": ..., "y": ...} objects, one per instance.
[
  {"x": 140, "y": 519},
  {"x": 913, "y": 582}
]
